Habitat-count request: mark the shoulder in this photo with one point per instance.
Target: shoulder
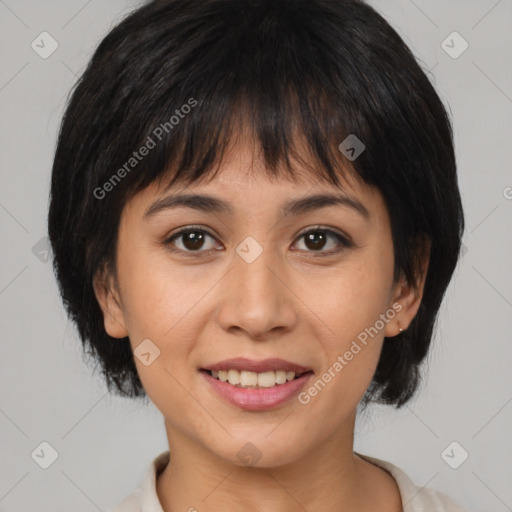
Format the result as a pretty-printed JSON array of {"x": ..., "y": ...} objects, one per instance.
[
  {"x": 145, "y": 496},
  {"x": 130, "y": 504},
  {"x": 414, "y": 498}
]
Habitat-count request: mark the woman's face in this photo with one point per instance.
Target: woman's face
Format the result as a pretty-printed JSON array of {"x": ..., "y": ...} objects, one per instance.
[{"x": 261, "y": 286}]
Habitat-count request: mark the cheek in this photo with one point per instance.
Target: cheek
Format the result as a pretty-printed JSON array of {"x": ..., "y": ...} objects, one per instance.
[
  {"x": 351, "y": 304},
  {"x": 351, "y": 298},
  {"x": 352, "y": 307},
  {"x": 158, "y": 295},
  {"x": 164, "y": 303}
]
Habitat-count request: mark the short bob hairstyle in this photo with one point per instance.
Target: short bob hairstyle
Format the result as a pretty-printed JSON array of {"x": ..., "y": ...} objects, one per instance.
[{"x": 181, "y": 78}]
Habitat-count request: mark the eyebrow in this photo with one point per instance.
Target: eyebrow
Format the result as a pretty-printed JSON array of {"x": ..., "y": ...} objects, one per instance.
[{"x": 211, "y": 204}]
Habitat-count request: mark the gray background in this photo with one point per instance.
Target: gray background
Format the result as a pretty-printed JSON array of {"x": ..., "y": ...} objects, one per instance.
[{"x": 105, "y": 443}]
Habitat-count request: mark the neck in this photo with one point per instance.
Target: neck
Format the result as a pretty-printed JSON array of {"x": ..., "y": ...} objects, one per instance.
[{"x": 330, "y": 477}]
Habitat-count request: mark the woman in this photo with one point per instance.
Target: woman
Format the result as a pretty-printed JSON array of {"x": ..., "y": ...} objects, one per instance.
[{"x": 254, "y": 218}]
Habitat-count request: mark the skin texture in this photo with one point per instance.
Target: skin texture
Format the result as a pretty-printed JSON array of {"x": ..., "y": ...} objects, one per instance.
[{"x": 292, "y": 303}]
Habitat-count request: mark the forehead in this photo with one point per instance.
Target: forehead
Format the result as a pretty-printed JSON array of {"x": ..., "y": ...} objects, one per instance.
[
  {"x": 242, "y": 179},
  {"x": 242, "y": 167}
]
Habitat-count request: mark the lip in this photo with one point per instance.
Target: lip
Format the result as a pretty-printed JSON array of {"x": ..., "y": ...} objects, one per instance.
[
  {"x": 253, "y": 399},
  {"x": 251, "y": 365}
]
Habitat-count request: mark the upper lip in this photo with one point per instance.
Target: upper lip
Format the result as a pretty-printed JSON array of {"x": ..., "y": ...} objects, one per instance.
[{"x": 251, "y": 365}]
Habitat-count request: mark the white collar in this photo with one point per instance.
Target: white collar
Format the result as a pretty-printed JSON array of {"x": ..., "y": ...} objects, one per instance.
[{"x": 414, "y": 499}]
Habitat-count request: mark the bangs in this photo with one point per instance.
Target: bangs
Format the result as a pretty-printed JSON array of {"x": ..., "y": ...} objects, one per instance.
[
  {"x": 267, "y": 73},
  {"x": 294, "y": 131}
]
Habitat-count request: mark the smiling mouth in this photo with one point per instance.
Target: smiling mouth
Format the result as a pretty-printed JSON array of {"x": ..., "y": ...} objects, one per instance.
[{"x": 247, "y": 379}]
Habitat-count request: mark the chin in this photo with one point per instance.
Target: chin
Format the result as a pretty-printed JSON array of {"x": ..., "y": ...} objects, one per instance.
[{"x": 257, "y": 451}]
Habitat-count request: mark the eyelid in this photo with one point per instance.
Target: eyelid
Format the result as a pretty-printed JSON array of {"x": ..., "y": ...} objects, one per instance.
[
  {"x": 179, "y": 231},
  {"x": 321, "y": 227},
  {"x": 345, "y": 240},
  {"x": 191, "y": 227}
]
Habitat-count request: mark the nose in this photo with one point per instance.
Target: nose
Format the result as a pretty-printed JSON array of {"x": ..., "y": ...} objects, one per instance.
[{"x": 257, "y": 300}]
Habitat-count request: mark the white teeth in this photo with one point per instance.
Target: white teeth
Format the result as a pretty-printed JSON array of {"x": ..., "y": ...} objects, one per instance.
[
  {"x": 246, "y": 379},
  {"x": 266, "y": 379},
  {"x": 280, "y": 377},
  {"x": 234, "y": 377}
]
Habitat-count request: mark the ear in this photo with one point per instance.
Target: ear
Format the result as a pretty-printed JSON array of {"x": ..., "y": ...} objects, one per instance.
[
  {"x": 409, "y": 295},
  {"x": 107, "y": 294}
]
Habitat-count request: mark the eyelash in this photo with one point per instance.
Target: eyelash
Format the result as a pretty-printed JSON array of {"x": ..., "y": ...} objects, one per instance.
[{"x": 343, "y": 241}]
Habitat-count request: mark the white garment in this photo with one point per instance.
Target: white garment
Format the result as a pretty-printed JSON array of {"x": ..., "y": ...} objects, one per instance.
[{"x": 414, "y": 499}]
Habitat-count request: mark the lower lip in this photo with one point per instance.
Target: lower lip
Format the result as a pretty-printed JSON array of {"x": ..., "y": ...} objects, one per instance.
[{"x": 253, "y": 399}]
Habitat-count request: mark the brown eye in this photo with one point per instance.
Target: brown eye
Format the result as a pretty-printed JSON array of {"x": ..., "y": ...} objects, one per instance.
[
  {"x": 193, "y": 240},
  {"x": 317, "y": 239},
  {"x": 190, "y": 240}
]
